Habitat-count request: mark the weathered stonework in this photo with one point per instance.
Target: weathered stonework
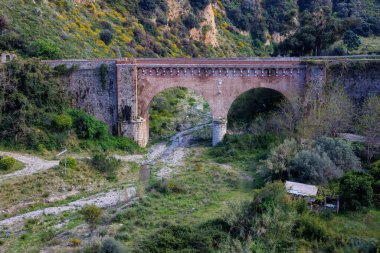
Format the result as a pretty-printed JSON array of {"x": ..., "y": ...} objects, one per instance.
[
  {"x": 219, "y": 130},
  {"x": 360, "y": 79},
  {"x": 87, "y": 90},
  {"x": 132, "y": 84}
]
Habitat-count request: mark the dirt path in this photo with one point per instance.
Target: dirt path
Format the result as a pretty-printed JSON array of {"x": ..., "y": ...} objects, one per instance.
[
  {"x": 32, "y": 165},
  {"x": 103, "y": 200},
  {"x": 170, "y": 157}
]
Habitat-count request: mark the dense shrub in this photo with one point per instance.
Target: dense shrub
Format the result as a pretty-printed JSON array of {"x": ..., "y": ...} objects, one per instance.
[
  {"x": 110, "y": 245},
  {"x": 316, "y": 161},
  {"x": 314, "y": 167},
  {"x": 340, "y": 153},
  {"x": 177, "y": 238},
  {"x": 280, "y": 159},
  {"x": 106, "y": 36},
  {"x": 311, "y": 228},
  {"x": 106, "y": 165},
  {"x": 199, "y": 4},
  {"x": 87, "y": 126},
  {"x": 148, "y": 5},
  {"x": 168, "y": 186},
  {"x": 45, "y": 49},
  {"x": 240, "y": 147},
  {"x": 31, "y": 92},
  {"x": 71, "y": 163},
  {"x": 375, "y": 173},
  {"x": 269, "y": 218},
  {"x": 191, "y": 21},
  {"x": 7, "y": 163},
  {"x": 356, "y": 190},
  {"x": 92, "y": 215},
  {"x": 62, "y": 122},
  {"x": 4, "y": 23}
]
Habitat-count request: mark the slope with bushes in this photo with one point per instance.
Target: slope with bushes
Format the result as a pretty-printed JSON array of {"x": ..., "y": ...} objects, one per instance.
[
  {"x": 171, "y": 28},
  {"x": 35, "y": 114}
]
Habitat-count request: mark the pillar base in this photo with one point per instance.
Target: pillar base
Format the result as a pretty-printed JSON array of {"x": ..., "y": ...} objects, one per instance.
[
  {"x": 219, "y": 129},
  {"x": 136, "y": 130}
]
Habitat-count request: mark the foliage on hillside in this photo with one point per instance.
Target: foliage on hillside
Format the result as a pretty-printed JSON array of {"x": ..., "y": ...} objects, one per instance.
[
  {"x": 35, "y": 113},
  {"x": 144, "y": 28}
]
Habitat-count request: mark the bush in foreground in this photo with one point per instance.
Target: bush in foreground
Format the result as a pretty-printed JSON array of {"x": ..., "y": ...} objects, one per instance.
[
  {"x": 106, "y": 165},
  {"x": 7, "y": 163},
  {"x": 110, "y": 245},
  {"x": 356, "y": 190},
  {"x": 92, "y": 215},
  {"x": 71, "y": 163}
]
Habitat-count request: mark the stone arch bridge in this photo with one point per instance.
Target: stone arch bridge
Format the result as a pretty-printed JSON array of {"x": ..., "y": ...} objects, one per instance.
[{"x": 120, "y": 91}]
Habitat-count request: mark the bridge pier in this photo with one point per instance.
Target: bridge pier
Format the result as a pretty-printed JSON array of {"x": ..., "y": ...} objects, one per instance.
[
  {"x": 219, "y": 129},
  {"x": 136, "y": 130}
]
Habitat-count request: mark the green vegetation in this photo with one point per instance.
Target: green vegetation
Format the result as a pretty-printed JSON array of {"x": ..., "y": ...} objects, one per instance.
[
  {"x": 166, "y": 112},
  {"x": 270, "y": 221},
  {"x": 106, "y": 165},
  {"x": 248, "y": 106},
  {"x": 243, "y": 147},
  {"x": 115, "y": 28},
  {"x": 317, "y": 162},
  {"x": 221, "y": 199},
  {"x": 35, "y": 114},
  {"x": 357, "y": 192},
  {"x": 351, "y": 40},
  {"x": 70, "y": 162},
  {"x": 92, "y": 215},
  {"x": 7, "y": 163}
]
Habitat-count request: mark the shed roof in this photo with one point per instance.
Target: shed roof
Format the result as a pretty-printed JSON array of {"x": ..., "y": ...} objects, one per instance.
[{"x": 301, "y": 189}]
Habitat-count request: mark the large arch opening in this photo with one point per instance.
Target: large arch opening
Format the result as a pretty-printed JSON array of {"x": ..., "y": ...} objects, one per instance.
[
  {"x": 257, "y": 110},
  {"x": 178, "y": 109}
]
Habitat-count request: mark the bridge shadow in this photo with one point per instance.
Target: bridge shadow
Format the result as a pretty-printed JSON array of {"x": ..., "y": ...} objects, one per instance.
[{"x": 255, "y": 108}]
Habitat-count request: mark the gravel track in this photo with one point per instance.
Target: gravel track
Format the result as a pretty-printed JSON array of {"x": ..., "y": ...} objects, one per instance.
[
  {"x": 103, "y": 200},
  {"x": 170, "y": 156},
  {"x": 32, "y": 165}
]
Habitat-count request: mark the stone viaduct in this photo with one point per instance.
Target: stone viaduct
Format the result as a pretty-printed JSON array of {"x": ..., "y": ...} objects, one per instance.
[{"x": 119, "y": 92}]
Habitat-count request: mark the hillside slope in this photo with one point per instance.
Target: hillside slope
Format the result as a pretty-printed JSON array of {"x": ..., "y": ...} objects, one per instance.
[{"x": 171, "y": 28}]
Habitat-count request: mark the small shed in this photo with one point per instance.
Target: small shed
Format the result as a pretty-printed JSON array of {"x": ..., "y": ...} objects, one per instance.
[{"x": 305, "y": 190}]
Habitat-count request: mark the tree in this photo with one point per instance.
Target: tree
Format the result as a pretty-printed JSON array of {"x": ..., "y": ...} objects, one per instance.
[
  {"x": 314, "y": 167},
  {"x": 340, "y": 153},
  {"x": 351, "y": 40},
  {"x": 369, "y": 125},
  {"x": 106, "y": 36},
  {"x": 191, "y": 22},
  {"x": 148, "y": 5},
  {"x": 317, "y": 31},
  {"x": 356, "y": 190},
  {"x": 331, "y": 115},
  {"x": 92, "y": 215},
  {"x": 45, "y": 49},
  {"x": 280, "y": 159},
  {"x": 199, "y": 4}
]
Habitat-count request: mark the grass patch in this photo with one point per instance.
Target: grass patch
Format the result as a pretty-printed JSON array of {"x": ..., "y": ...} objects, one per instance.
[{"x": 195, "y": 196}]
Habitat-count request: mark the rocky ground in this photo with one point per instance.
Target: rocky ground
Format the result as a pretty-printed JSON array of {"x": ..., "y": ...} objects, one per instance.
[{"x": 167, "y": 158}]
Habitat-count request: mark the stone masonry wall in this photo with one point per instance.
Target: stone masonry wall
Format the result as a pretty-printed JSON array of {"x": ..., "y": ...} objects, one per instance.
[
  {"x": 360, "y": 79},
  {"x": 87, "y": 90}
]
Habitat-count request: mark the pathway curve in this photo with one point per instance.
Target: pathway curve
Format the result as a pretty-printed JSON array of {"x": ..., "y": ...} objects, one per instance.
[
  {"x": 32, "y": 165},
  {"x": 171, "y": 156},
  {"x": 103, "y": 200}
]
